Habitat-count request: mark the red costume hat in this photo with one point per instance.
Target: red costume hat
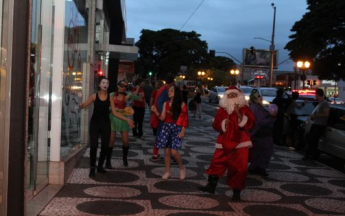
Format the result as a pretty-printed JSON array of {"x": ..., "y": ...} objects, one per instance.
[{"x": 232, "y": 89}]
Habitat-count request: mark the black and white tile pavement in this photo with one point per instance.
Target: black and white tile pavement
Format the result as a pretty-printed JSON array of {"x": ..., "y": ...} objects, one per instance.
[{"x": 293, "y": 187}]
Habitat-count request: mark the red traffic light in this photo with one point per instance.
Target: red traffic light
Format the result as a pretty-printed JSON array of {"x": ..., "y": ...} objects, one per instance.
[{"x": 100, "y": 73}]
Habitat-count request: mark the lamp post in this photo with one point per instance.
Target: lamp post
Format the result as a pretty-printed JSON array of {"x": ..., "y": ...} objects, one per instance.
[
  {"x": 272, "y": 45},
  {"x": 303, "y": 65},
  {"x": 201, "y": 74},
  {"x": 235, "y": 72}
]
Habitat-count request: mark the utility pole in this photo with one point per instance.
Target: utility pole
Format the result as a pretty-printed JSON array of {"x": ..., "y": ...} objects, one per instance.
[{"x": 272, "y": 48}]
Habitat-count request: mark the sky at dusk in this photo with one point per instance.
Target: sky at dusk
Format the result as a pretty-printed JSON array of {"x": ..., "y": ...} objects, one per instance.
[{"x": 226, "y": 25}]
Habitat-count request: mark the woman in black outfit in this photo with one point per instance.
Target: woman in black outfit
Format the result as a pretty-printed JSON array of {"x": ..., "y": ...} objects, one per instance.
[{"x": 100, "y": 124}]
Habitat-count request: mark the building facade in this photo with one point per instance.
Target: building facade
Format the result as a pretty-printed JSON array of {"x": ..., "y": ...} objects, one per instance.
[{"x": 51, "y": 55}]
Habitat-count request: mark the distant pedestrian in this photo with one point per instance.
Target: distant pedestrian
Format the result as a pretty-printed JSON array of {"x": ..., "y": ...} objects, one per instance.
[
  {"x": 279, "y": 123},
  {"x": 175, "y": 118},
  {"x": 184, "y": 94},
  {"x": 139, "y": 108},
  {"x": 261, "y": 136},
  {"x": 290, "y": 121},
  {"x": 148, "y": 89},
  {"x": 121, "y": 123},
  {"x": 197, "y": 99},
  {"x": 232, "y": 121},
  {"x": 319, "y": 118}
]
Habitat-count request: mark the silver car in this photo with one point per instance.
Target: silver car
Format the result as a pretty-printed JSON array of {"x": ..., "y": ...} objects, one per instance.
[{"x": 216, "y": 93}]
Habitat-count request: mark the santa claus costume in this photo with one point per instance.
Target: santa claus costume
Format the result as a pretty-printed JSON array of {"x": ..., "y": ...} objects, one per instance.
[{"x": 233, "y": 121}]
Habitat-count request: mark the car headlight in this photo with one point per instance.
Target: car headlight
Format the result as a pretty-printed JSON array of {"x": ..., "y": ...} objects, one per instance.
[
  {"x": 265, "y": 102},
  {"x": 221, "y": 96}
]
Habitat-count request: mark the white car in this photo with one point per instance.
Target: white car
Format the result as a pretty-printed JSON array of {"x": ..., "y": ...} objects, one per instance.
[
  {"x": 268, "y": 94},
  {"x": 246, "y": 90},
  {"x": 216, "y": 93}
]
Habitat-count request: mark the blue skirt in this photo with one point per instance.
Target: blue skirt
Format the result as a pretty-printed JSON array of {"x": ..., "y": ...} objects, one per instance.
[{"x": 168, "y": 137}]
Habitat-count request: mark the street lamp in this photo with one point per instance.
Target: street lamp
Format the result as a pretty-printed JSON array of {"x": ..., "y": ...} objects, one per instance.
[
  {"x": 201, "y": 74},
  {"x": 303, "y": 65},
  {"x": 235, "y": 72},
  {"x": 272, "y": 45}
]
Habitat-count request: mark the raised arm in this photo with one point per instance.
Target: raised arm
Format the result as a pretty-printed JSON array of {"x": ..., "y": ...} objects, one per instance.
[{"x": 89, "y": 101}]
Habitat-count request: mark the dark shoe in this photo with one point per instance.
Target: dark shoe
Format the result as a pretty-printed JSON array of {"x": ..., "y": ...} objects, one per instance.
[
  {"x": 124, "y": 155},
  {"x": 236, "y": 196},
  {"x": 154, "y": 158},
  {"x": 255, "y": 171},
  {"x": 92, "y": 172},
  {"x": 101, "y": 170},
  {"x": 108, "y": 158},
  {"x": 263, "y": 172},
  {"x": 211, "y": 186}
]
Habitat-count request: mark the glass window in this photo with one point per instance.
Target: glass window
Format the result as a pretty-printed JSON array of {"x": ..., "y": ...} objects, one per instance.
[{"x": 75, "y": 54}]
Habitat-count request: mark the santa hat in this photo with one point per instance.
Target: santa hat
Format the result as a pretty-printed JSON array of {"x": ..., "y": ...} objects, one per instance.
[{"x": 232, "y": 89}]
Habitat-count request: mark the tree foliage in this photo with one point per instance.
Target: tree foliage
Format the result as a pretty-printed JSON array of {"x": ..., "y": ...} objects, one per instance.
[
  {"x": 165, "y": 51},
  {"x": 320, "y": 37}
]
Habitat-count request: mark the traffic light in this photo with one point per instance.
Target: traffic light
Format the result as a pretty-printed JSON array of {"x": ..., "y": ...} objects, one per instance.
[
  {"x": 150, "y": 73},
  {"x": 308, "y": 82},
  {"x": 100, "y": 73},
  {"x": 259, "y": 77}
]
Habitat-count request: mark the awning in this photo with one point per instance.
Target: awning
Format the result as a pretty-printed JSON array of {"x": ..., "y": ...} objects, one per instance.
[{"x": 121, "y": 52}]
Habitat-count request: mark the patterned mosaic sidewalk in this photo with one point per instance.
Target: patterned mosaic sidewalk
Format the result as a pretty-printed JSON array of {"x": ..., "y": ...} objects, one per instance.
[{"x": 293, "y": 187}]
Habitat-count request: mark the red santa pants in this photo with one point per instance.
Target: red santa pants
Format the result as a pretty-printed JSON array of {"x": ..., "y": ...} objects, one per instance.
[{"x": 236, "y": 162}]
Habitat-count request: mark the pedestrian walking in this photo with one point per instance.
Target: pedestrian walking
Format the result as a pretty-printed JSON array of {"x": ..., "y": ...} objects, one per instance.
[
  {"x": 184, "y": 93},
  {"x": 261, "y": 135},
  {"x": 279, "y": 123},
  {"x": 99, "y": 124},
  {"x": 121, "y": 122},
  {"x": 232, "y": 121},
  {"x": 153, "y": 117},
  {"x": 175, "y": 118},
  {"x": 319, "y": 118},
  {"x": 197, "y": 99}
]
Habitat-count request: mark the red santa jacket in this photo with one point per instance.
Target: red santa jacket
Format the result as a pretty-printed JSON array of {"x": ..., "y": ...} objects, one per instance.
[{"x": 236, "y": 134}]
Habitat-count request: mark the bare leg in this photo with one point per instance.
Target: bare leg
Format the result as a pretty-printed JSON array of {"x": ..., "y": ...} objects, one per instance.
[
  {"x": 167, "y": 152},
  {"x": 125, "y": 147},
  {"x": 178, "y": 159},
  {"x": 112, "y": 139}
]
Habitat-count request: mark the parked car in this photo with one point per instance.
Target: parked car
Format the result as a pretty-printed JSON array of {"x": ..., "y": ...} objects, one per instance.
[
  {"x": 333, "y": 100},
  {"x": 332, "y": 142},
  {"x": 268, "y": 94},
  {"x": 216, "y": 93},
  {"x": 246, "y": 90}
]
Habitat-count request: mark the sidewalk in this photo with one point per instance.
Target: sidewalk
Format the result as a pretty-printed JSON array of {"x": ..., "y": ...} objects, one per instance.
[{"x": 293, "y": 187}]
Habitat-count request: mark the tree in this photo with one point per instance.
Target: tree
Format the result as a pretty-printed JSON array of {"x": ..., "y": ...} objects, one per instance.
[
  {"x": 320, "y": 36},
  {"x": 166, "y": 50}
]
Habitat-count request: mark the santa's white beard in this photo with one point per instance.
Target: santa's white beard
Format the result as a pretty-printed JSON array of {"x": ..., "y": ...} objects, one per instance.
[{"x": 229, "y": 103}]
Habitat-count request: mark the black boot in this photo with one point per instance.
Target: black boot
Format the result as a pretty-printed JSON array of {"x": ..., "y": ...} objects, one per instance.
[
  {"x": 92, "y": 172},
  {"x": 211, "y": 186},
  {"x": 101, "y": 159},
  {"x": 108, "y": 158},
  {"x": 236, "y": 196},
  {"x": 124, "y": 155}
]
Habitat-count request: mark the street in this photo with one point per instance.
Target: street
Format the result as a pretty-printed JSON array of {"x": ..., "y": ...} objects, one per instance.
[{"x": 293, "y": 187}]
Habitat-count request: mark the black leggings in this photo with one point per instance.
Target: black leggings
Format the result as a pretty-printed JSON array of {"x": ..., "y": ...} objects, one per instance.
[
  {"x": 138, "y": 117},
  {"x": 97, "y": 129}
]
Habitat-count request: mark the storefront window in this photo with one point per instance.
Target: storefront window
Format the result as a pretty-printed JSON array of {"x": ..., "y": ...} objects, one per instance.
[{"x": 75, "y": 54}]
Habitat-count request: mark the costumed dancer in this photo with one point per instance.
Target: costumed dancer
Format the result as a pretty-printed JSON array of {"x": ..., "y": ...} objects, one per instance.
[
  {"x": 175, "y": 117},
  {"x": 121, "y": 123},
  {"x": 99, "y": 124},
  {"x": 232, "y": 121}
]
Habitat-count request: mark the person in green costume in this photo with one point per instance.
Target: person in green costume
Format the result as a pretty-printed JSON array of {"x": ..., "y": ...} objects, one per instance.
[{"x": 121, "y": 97}]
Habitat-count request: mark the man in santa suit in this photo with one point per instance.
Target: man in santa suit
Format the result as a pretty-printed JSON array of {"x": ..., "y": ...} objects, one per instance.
[{"x": 233, "y": 121}]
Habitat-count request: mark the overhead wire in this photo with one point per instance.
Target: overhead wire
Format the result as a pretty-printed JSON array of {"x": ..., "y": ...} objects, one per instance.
[{"x": 192, "y": 14}]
